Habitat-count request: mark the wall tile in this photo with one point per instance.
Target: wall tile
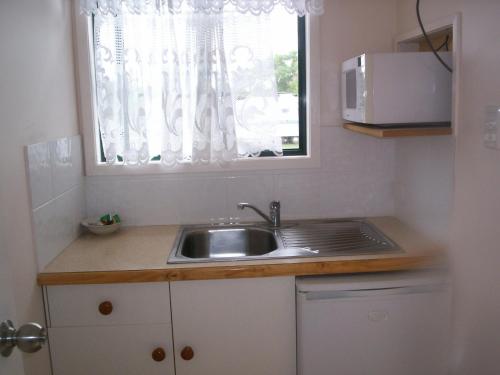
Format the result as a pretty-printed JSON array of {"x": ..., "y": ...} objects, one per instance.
[
  {"x": 156, "y": 201},
  {"x": 55, "y": 174},
  {"x": 299, "y": 195},
  {"x": 355, "y": 179},
  {"x": 57, "y": 224},
  {"x": 53, "y": 168},
  {"x": 344, "y": 151},
  {"x": 45, "y": 233},
  {"x": 39, "y": 173},
  {"x": 78, "y": 208},
  {"x": 201, "y": 199},
  {"x": 115, "y": 195},
  {"x": 67, "y": 170},
  {"x": 64, "y": 220},
  {"x": 353, "y": 194}
]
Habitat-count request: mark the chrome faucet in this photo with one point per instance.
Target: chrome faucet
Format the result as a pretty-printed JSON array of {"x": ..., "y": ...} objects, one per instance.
[{"x": 274, "y": 212}]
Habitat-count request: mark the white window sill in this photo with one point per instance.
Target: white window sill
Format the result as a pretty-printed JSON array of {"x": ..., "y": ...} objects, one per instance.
[{"x": 266, "y": 163}]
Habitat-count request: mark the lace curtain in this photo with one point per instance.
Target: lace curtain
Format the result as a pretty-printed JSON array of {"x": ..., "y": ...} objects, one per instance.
[
  {"x": 184, "y": 86},
  {"x": 255, "y": 7}
]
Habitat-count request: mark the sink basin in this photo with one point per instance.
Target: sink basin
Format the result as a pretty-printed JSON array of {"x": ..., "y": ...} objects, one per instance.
[{"x": 225, "y": 243}]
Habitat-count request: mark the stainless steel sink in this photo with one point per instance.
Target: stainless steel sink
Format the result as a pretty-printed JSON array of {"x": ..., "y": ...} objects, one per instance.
[
  {"x": 292, "y": 239},
  {"x": 218, "y": 243}
]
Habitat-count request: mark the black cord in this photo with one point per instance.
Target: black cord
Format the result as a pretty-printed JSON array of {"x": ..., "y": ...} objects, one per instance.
[
  {"x": 429, "y": 41},
  {"x": 445, "y": 43}
]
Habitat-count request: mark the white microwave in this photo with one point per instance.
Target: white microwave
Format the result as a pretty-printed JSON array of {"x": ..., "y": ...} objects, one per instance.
[{"x": 395, "y": 89}]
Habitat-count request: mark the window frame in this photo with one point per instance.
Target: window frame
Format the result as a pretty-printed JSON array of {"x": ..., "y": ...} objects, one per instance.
[
  {"x": 307, "y": 156},
  {"x": 302, "y": 52}
]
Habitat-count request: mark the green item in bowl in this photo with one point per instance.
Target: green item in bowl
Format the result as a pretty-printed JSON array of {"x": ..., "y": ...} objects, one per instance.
[
  {"x": 109, "y": 220},
  {"x": 106, "y": 219}
]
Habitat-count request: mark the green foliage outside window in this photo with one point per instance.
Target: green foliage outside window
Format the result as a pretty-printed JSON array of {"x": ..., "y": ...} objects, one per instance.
[{"x": 287, "y": 72}]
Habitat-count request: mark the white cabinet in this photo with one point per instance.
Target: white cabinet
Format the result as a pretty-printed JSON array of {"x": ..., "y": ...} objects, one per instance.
[
  {"x": 234, "y": 327},
  {"x": 135, "y": 303},
  {"x": 238, "y": 326},
  {"x": 102, "y": 350},
  {"x": 110, "y": 329}
]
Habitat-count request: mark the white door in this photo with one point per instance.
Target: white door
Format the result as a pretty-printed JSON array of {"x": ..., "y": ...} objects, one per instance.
[
  {"x": 108, "y": 350},
  {"x": 386, "y": 324},
  {"x": 234, "y": 327},
  {"x": 8, "y": 365}
]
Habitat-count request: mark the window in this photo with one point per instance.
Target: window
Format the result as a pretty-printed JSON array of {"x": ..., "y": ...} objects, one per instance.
[{"x": 188, "y": 87}]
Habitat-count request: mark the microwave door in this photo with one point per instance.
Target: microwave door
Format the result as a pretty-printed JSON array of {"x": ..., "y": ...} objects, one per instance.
[
  {"x": 349, "y": 102},
  {"x": 350, "y": 89},
  {"x": 352, "y": 108}
]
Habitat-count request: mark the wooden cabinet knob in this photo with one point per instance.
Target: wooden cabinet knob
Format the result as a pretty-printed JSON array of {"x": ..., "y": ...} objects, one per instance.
[
  {"x": 187, "y": 353},
  {"x": 105, "y": 308},
  {"x": 158, "y": 354}
]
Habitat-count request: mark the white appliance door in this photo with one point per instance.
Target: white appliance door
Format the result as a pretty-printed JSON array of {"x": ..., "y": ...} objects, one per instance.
[
  {"x": 386, "y": 331},
  {"x": 353, "y": 89}
]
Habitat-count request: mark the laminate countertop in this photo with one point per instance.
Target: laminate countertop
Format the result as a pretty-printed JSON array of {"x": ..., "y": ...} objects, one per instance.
[{"x": 139, "y": 254}]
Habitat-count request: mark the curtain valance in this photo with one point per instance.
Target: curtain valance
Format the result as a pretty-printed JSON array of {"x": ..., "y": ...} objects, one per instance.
[{"x": 256, "y": 7}]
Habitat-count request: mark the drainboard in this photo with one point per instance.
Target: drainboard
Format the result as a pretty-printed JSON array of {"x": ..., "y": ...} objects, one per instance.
[{"x": 339, "y": 237}]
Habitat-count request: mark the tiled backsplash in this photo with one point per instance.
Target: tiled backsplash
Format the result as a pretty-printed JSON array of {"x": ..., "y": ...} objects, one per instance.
[
  {"x": 355, "y": 179},
  {"x": 55, "y": 173}
]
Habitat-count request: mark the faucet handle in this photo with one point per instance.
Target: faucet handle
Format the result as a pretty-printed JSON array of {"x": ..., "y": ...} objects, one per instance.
[
  {"x": 274, "y": 205},
  {"x": 275, "y": 208}
]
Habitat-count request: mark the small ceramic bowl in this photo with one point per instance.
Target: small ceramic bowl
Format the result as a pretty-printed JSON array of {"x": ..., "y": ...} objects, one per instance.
[{"x": 96, "y": 227}]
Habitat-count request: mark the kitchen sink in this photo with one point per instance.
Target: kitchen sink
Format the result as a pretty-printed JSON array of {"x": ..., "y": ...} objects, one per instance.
[
  {"x": 293, "y": 239},
  {"x": 233, "y": 242}
]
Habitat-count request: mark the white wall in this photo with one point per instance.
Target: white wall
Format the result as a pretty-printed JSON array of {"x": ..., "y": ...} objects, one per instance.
[
  {"x": 37, "y": 103},
  {"x": 356, "y": 174},
  {"x": 474, "y": 250},
  {"x": 424, "y": 184},
  {"x": 424, "y": 165}
]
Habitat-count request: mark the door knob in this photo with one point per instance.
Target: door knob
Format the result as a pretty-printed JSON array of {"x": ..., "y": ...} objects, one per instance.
[
  {"x": 187, "y": 353},
  {"x": 105, "y": 308},
  {"x": 29, "y": 338},
  {"x": 158, "y": 354}
]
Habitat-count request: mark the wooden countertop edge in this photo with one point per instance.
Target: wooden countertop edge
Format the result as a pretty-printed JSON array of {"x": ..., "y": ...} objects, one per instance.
[{"x": 239, "y": 271}]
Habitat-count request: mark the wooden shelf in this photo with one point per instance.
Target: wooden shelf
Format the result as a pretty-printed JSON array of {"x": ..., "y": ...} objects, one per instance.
[{"x": 398, "y": 132}]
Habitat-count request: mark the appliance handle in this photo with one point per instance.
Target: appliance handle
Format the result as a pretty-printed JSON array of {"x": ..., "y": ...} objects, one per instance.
[{"x": 360, "y": 293}]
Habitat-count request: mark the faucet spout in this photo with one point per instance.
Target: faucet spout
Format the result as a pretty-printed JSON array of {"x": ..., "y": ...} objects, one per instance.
[{"x": 274, "y": 212}]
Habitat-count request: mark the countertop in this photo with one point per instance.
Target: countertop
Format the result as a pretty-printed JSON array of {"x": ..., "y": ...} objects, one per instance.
[{"x": 139, "y": 254}]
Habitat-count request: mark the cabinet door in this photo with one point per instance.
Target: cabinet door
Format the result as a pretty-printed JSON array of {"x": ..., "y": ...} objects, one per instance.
[
  {"x": 238, "y": 326},
  {"x": 133, "y": 303},
  {"x": 123, "y": 350}
]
